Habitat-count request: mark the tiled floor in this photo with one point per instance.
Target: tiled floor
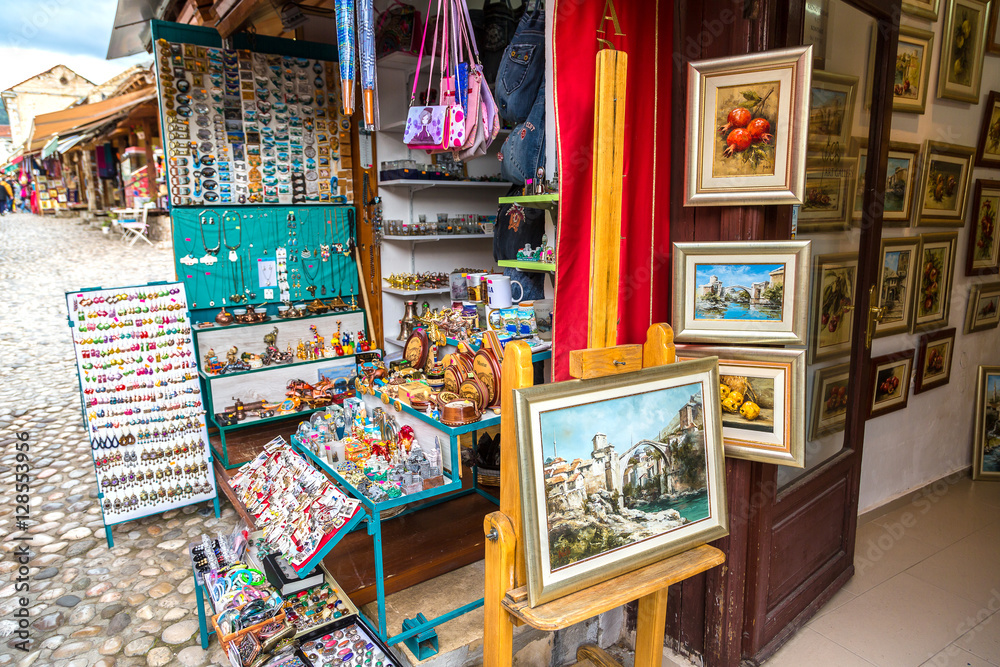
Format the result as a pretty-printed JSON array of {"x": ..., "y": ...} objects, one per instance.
[{"x": 926, "y": 588}]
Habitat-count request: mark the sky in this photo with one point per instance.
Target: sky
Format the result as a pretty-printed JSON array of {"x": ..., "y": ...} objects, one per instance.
[
  {"x": 38, "y": 34},
  {"x": 734, "y": 274},
  {"x": 624, "y": 421}
]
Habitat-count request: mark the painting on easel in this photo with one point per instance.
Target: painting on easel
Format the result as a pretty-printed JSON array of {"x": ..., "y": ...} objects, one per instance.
[{"x": 618, "y": 473}]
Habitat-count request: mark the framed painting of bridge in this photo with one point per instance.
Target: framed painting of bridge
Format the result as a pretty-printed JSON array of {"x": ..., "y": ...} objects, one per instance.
[
  {"x": 741, "y": 292},
  {"x": 762, "y": 398},
  {"x": 618, "y": 473},
  {"x": 986, "y": 434}
]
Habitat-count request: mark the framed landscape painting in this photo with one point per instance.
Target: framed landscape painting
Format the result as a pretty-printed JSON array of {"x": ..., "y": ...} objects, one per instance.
[
  {"x": 983, "y": 256},
  {"x": 618, "y": 473},
  {"x": 963, "y": 45},
  {"x": 830, "y": 391},
  {"x": 762, "y": 397},
  {"x": 983, "y": 311},
  {"x": 833, "y": 297},
  {"x": 934, "y": 357},
  {"x": 988, "y": 146},
  {"x": 831, "y": 107},
  {"x": 900, "y": 181},
  {"x": 913, "y": 70},
  {"x": 944, "y": 186},
  {"x": 986, "y": 433},
  {"x": 895, "y": 284},
  {"x": 829, "y": 198},
  {"x": 891, "y": 377},
  {"x": 740, "y": 292},
  {"x": 932, "y": 294},
  {"x": 926, "y": 9},
  {"x": 747, "y": 121}
]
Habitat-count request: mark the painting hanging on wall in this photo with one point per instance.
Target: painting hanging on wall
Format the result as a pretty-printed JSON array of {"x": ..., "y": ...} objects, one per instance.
[
  {"x": 762, "y": 396},
  {"x": 829, "y": 198},
  {"x": 833, "y": 297},
  {"x": 747, "y": 119},
  {"x": 740, "y": 292},
  {"x": 891, "y": 380},
  {"x": 983, "y": 255},
  {"x": 927, "y": 9},
  {"x": 913, "y": 70},
  {"x": 932, "y": 294},
  {"x": 830, "y": 394},
  {"x": 618, "y": 473},
  {"x": 963, "y": 44},
  {"x": 986, "y": 432},
  {"x": 944, "y": 185},
  {"x": 831, "y": 108},
  {"x": 983, "y": 310},
  {"x": 934, "y": 357},
  {"x": 894, "y": 289},
  {"x": 988, "y": 146},
  {"x": 900, "y": 181}
]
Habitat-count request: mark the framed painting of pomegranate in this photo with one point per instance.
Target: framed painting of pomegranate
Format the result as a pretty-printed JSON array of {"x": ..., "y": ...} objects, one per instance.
[
  {"x": 748, "y": 126},
  {"x": 891, "y": 377}
]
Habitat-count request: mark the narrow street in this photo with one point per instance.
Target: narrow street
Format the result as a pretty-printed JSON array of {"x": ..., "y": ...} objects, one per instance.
[{"x": 90, "y": 605}]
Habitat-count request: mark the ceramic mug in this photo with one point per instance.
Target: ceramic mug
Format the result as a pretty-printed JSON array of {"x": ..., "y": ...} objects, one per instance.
[
  {"x": 498, "y": 291},
  {"x": 475, "y": 287}
]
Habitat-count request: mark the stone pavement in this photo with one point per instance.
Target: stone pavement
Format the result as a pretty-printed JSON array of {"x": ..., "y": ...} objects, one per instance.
[{"x": 89, "y": 605}]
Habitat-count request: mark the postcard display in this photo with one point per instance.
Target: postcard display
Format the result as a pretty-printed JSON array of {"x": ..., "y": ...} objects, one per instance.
[{"x": 141, "y": 400}]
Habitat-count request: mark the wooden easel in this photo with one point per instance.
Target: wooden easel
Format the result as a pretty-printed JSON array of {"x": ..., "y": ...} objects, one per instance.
[{"x": 506, "y": 597}]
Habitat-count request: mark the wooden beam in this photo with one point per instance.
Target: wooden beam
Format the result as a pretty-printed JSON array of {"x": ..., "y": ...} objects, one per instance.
[{"x": 236, "y": 17}]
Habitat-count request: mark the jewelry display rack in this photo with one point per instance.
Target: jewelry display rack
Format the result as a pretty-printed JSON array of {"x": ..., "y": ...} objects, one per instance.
[{"x": 140, "y": 399}]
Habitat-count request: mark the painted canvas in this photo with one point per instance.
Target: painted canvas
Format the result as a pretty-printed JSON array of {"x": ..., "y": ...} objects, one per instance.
[
  {"x": 910, "y": 63},
  {"x": 895, "y": 285},
  {"x": 988, "y": 144},
  {"x": 831, "y": 387},
  {"x": 961, "y": 44},
  {"x": 934, "y": 357},
  {"x": 891, "y": 377},
  {"x": 829, "y": 196},
  {"x": 739, "y": 292},
  {"x": 932, "y": 293},
  {"x": 986, "y": 433},
  {"x": 898, "y": 183},
  {"x": 833, "y": 312},
  {"x": 746, "y": 116},
  {"x": 944, "y": 185},
  {"x": 983, "y": 310},
  {"x": 747, "y": 402},
  {"x": 983, "y": 256}
]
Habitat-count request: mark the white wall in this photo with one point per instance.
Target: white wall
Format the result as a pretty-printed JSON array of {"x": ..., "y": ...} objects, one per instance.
[{"x": 932, "y": 437}]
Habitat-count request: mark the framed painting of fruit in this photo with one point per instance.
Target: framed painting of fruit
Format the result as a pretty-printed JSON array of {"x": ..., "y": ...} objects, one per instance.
[
  {"x": 927, "y": 9},
  {"x": 831, "y": 108},
  {"x": 983, "y": 256},
  {"x": 891, "y": 377},
  {"x": 900, "y": 181},
  {"x": 747, "y": 118},
  {"x": 762, "y": 397},
  {"x": 830, "y": 393},
  {"x": 834, "y": 283},
  {"x": 740, "y": 292},
  {"x": 829, "y": 198},
  {"x": 896, "y": 281},
  {"x": 983, "y": 311},
  {"x": 988, "y": 146},
  {"x": 944, "y": 185},
  {"x": 932, "y": 293},
  {"x": 934, "y": 355},
  {"x": 986, "y": 432},
  {"x": 962, "y": 48}
]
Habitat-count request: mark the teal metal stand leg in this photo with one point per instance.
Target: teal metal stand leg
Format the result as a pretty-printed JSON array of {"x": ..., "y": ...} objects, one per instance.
[
  {"x": 107, "y": 534},
  {"x": 202, "y": 620},
  {"x": 215, "y": 501},
  {"x": 375, "y": 530}
]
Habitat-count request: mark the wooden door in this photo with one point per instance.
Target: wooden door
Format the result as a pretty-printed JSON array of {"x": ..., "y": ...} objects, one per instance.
[{"x": 802, "y": 523}]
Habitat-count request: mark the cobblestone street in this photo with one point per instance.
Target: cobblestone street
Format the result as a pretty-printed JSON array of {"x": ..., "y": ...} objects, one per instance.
[{"x": 89, "y": 605}]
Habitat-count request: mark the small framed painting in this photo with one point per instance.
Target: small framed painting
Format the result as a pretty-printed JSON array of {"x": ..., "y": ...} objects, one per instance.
[
  {"x": 932, "y": 295},
  {"x": 913, "y": 70},
  {"x": 618, "y": 473},
  {"x": 983, "y": 311},
  {"x": 747, "y": 118},
  {"x": 983, "y": 257},
  {"x": 988, "y": 146},
  {"x": 762, "y": 394},
  {"x": 993, "y": 30},
  {"x": 986, "y": 433},
  {"x": 934, "y": 356},
  {"x": 891, "y": 377},
  {"x": 944, "y": 186},
  {"x": 829, "y": 198},
  {"x": 833, "y": 297},
  {"x": 963, "y": 45},
  {"x": 896, "y": 283},
  {"x": 926, "y": 9},
  {"x": 829, "y": 400},
  {"x": 831, "y": 107},
  {"x": 740, "y": 292},
  {"x": 900, "y": 181}
]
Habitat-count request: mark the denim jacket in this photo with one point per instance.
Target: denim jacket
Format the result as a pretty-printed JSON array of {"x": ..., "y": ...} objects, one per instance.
[
  {"x": 524, "y": 150},
  {"x": 522, "y": 68}
]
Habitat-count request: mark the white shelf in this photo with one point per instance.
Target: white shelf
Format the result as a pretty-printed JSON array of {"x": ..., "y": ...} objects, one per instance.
[
  {"x": 426, "y": 238},
  {"x": 406, "y": 62},
  {"x": 394, "y": 342},
  {"x": 421, "y": 185},
  {"x": 416, "y": 292}
]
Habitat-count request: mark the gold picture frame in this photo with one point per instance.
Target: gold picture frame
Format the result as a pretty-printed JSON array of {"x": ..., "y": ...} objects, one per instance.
[
  {"x": 896, "y": 283},
  {"x": 829, "y": 197},
  {"x": 913, "y": 70},
  {"x": 946, "y": 175},
  {"x": 925, "y": 9},
  {"x": 900, "y": 181},
  {"x": 988, "y": 144},
  {"x": 934, "y": 356},
  {"x": 831, "y": 107},
  {"x": 983, "y": 310},
  {"x": 935, "y": 272},
  {"x": 834, "y": 287},
  {"x": 890, "y": 380},
  {"x": 665, "y": 421},
  {"x": 963, "y": 45},
  {"x": 986, "y": 432},
  {"x": 747, "y": 118},
  {"x": 983, "y": 252},
  {"x": 830, "y": 393},
  {"x": 767, "y": 422}
]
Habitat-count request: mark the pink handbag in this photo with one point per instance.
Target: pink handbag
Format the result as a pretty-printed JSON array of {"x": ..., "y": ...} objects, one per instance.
[
  {"x": 433, "y": 127},
  {"x": 483, "y": 120}
]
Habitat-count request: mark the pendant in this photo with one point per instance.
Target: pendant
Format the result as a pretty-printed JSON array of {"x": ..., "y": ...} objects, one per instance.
[
  {"x": 324, "y": 251},
  {"x": 209, "y": 259},
  {"x": 312, "y": 290},
  {"x": 233, "y": 257},
  {"x": 305, "y": 254},
  {"x": 188, "y": 260},
  {"x": 323, "y": 290}
]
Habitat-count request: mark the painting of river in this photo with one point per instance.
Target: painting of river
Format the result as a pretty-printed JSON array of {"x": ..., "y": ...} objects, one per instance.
[{"x": 739, "y": 292}]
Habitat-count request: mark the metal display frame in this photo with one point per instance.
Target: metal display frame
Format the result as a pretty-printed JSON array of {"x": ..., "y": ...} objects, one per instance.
[{"x": 78, "y": 359}]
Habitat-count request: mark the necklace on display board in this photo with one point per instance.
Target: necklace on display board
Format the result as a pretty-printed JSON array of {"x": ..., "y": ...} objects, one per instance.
[
  {"x": 189, "y": 258},
  {"x": 210, "y": 253},
  {"x": 222, "y": 236}
]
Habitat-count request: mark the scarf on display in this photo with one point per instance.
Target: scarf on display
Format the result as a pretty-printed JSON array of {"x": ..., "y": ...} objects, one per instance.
[{"x": 645, "y": 260}]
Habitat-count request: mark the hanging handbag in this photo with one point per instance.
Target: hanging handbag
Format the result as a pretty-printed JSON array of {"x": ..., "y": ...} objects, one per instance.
[
  {"x": 431, "y": 127},
  {"x": 485, "y": 121},
  {"x": 397, "y": 29}
]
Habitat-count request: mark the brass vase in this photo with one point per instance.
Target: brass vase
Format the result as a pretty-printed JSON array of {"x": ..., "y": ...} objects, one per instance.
[{"x": 410, "y": 320}]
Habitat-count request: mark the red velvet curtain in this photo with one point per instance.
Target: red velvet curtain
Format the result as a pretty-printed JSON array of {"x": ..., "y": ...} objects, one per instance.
[{"x": 647, "y": 29}]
